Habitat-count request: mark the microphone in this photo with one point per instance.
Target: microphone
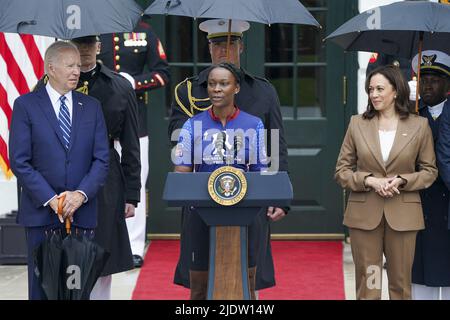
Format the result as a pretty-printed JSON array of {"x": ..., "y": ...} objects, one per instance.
[
  {"x": 219, "y": 144},
  {"x": 238, "y": 142}
]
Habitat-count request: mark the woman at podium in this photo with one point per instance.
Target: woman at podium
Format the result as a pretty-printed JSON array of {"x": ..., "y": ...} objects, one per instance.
[{"x": 222, "y": 135}]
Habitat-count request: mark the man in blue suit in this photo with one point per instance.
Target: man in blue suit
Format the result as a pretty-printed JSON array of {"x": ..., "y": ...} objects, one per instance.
[{"x": 58, "y": 145}]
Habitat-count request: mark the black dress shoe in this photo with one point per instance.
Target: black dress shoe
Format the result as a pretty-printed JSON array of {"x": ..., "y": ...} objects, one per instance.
[{"x": 137, "y": 261}]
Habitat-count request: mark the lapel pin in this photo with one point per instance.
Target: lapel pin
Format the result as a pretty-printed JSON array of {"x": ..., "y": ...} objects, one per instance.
[{"x": 80, "y": 103}]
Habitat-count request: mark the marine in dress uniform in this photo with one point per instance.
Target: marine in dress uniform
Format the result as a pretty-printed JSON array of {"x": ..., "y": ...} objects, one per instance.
[
  {"x": 140, "y": 57},
  {"x": 256, "y": 97},
  {"x": 431, "y": 268},
  {"x": 383, "y": 59}
]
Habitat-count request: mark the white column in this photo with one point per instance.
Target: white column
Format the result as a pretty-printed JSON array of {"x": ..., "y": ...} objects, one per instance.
[
  {"x": 8, "y": 194},
  {"x": 363, "y": 57}
]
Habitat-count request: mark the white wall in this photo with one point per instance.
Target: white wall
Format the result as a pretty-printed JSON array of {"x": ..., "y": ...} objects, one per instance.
[
  {"x": 363, "y": 57},
  {"x": 8, "y": 194}
]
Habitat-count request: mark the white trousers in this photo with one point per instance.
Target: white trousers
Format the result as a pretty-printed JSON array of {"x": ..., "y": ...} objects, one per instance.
[
  {"x": 137, "y": 225},
  {"x": 421, "y": 292},
  {"x": 102, "y": 289}
]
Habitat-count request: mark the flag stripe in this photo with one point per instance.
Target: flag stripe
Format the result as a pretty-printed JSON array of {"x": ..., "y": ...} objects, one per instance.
[
  {"x": 34, "y": 54},
  {"x": 21, "y": 65},
  {"x": 4, "y": 151},
  {"x": 43, "y": 43},
  {"x": 19, "y": 52},
  {"x": 12, "y": 67},
  {"x": 10, "y": 91},
  {"x": 4, "y": 105},
  {"x": 4, "y": 131}
]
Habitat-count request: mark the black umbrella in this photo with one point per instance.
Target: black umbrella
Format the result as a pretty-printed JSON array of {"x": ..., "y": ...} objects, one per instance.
[
  {"x": 68, "y": 267},
  {"x": 186, "y": 8},
  {"x": 402, "y": 28},
  {"x": 68, "y": 19},
  {"x": 82, "y": 262},
  {"x": 262, "y": 11},
  {"x": 396, "y": 28},
  {"x": 47, "y": 259}
]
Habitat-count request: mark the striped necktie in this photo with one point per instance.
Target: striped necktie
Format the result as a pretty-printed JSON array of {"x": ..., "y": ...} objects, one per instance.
[{"x": 64, "y": 121}]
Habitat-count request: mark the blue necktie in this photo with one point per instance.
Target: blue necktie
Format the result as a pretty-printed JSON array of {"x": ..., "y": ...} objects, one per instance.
[{"x": 64, "y": 121}]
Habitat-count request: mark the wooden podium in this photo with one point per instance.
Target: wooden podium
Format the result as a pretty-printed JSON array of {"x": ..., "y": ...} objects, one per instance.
[{"x": 228, "y": 257}]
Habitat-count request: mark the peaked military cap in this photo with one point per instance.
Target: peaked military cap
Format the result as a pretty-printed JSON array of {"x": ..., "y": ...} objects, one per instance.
[
  {"x": 86, "y": 39},
  {"x": 433, "y": 62},
  {"x": 217, "y": 29}
]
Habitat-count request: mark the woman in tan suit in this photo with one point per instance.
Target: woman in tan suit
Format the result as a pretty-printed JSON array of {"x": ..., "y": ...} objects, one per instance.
[{"x": 387, "y": 156}]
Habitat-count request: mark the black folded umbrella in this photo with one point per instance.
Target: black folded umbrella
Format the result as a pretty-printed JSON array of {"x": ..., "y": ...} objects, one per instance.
[
  {"x": 82, "y": 261},
  {"x": 47, "y": 258},
  {"x": 68, "y": 266}
]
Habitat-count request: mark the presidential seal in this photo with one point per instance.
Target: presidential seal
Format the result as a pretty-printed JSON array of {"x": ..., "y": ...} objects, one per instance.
[{"x": 227, "y": 185}]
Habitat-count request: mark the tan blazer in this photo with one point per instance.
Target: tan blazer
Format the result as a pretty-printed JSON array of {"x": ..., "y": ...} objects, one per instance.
[{"x": 412, "y": 157}]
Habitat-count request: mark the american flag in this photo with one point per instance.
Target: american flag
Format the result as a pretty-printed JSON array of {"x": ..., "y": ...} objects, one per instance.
[{"x": 21, "y": 65}]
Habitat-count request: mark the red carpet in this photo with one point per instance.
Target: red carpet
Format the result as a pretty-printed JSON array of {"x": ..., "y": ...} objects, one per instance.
[
  {"x": 155, "y": 281},
  {"x": 310, "y": 270},
  {"x": 307, "y": 270}
]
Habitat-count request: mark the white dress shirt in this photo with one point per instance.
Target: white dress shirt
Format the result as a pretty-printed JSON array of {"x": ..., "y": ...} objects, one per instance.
[
  {"x": 386, "y": 142},
  {"x": 56, "y": 104},
  {"x": 436, "y": 110}
]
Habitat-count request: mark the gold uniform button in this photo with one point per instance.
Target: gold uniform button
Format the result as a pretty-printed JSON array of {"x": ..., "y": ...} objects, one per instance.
[
  {"x": 117, "y": 58},
  {"x": 135, "y": 50},
  {"x": 139, "y": 83},
  {"x": 145, "y": 81},
  {"x": 153, "y": 80},
  {"x": 116, "y": 39},
  {"x": 117, "y": 47},
  {"x": 118, "y": 67}
]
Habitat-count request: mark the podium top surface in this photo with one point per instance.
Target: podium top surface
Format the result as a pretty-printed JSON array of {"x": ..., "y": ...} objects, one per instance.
[{"x": 191, "y": 189}]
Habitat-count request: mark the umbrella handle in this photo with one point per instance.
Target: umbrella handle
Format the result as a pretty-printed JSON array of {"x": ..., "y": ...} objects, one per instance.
[
  {"x": 419, "y": 60},
  {"x": 68, "y": 226},
  {"x": 60, "y": 211},
  {"x": 228, "y": 40}
]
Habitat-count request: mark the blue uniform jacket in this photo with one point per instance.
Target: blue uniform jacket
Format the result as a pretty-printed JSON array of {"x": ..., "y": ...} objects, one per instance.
[
  {"x": 432, "y": 255},
  {"x": 443, "y": 145}
]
